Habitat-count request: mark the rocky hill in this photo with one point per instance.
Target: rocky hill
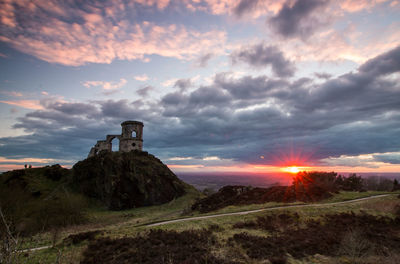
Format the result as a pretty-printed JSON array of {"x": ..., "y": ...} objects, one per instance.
[{"x": 124, "y": 180}]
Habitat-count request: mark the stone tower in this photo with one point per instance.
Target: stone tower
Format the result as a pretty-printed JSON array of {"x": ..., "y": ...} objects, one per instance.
[{"x": 131, "y": 138}]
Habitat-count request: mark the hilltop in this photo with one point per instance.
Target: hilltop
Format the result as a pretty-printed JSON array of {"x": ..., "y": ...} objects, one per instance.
[
  {"x": 37, "y": 199},
  {"x": 124, "y": 180}
]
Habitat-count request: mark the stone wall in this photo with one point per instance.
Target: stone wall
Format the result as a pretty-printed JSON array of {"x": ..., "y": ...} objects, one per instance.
[{"x": 130, "y": 139}]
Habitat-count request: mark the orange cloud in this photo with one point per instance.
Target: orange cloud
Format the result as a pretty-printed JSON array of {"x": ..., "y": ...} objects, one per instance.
[{"x": 28, "y": 104}]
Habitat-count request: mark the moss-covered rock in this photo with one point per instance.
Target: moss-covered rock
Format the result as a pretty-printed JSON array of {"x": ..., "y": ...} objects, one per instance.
[{"x": 124, "y": 180}]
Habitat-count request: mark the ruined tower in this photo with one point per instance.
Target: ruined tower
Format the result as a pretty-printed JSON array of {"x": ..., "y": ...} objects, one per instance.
[{"x": 131, "y": 138}]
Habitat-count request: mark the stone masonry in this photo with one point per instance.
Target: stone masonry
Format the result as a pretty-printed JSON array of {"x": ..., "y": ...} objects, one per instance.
[{"x": 131, "y": 138}]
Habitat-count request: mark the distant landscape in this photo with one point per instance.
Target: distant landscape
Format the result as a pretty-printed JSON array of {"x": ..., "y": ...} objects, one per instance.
[{"x": 215, "y": 181}]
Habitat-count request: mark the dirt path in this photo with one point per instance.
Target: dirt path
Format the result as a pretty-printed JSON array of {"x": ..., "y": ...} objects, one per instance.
[
  {"x": 263, "y": 209},
  {"x": 241, "y": 213}
]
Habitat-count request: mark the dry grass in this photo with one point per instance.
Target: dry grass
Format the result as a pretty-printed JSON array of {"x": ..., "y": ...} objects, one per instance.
[{"x": 126, "y": 223}]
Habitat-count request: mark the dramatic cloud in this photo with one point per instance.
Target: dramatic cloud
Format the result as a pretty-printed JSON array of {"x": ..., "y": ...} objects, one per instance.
[
  {"x": 299, "y": 19},
  {"x": 245, "y": 6},
  {"x": 238, "y": 119},
  {"x": 183, "y": 84},
  {"x": 203, "y": 60},
  {"x": 384, "y": 64},
  {"x": 144, "y": 91},
  {"x": 99, "y": 34},
  {"x": 393, "y": 157},
  {"x": 262, "y": 55},
  {"x": 257, "y": 8}
]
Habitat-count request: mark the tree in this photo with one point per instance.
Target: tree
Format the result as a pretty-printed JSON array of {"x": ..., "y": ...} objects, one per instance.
[
  {"x": 396, "y": 185},
  {"x": 353, "y": 183}
]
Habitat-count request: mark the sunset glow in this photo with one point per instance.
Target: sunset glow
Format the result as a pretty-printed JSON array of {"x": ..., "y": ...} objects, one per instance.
[
  {"x": 294, "y": 169},
  {"x": 264, "y": 86},
  {"x": 291, "y": 169}
]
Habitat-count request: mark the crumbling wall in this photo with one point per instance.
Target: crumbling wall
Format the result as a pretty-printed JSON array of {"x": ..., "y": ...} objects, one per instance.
[{"x": 127, "y": 142}]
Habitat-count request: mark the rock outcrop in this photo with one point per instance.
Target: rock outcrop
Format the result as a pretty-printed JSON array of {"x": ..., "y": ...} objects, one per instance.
[{"x": 124, "y": 180}]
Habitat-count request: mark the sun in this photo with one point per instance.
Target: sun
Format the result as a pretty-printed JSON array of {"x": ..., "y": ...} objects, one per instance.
[{"x": 291, "y": 169}]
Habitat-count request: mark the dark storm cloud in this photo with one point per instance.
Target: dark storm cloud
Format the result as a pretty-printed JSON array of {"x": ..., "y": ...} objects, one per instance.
[
  {"x": 183, "y": 84},
  {"x": 323, "y": 75},
  {"x": 386, "y": 63},
  {"x": 206, "y": 96},
  {"x": 297, "y": 20},
  {"x": 393, "y": 158},
  {"x": 261, "y": 55},
  {"x": 245, "y": 6},
  {"x": 250, "y": 87},
  {"x": 203, "y": 60},
  {"x": 175, "y": 98},
  {"x": 236, "y": 118},
  {"x": 145, "y": 90}
]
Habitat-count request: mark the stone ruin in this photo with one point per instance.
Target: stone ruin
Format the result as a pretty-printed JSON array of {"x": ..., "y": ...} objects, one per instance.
[{"x": 130, "y": 139}]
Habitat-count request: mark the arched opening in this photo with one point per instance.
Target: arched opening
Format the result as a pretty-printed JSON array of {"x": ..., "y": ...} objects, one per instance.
[
  {"x": 133, "y": 134},
  {"x": 115, "y": 144}
]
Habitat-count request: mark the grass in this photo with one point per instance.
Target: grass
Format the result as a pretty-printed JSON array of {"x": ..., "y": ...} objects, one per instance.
[
  {"x": 118, "y": 224},
  {"x": 346, "y": 196}
]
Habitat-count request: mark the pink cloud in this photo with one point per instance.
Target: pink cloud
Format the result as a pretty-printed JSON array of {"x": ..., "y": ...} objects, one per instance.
[
  {"x": 102, "y": 38},
  {"x": 349, "y": 44},
  {"x": 227, "y": 7},
  {"x": 28, "y": 104},
  {"x": 161, "y": 4},
  {"x": 7, "y": 14},
  {"x": 12, "y": 93},
  {"x": 394, "y": 3},
  {"x": 141, "y": 78},
  {"x": 107, "y": 86},
  {"x": 265, "y": 7},
  {"x": 357, "y": 5}
]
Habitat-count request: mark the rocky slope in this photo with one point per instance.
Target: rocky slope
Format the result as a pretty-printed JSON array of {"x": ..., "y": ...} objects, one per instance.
[{"x": 124, "y": 180}]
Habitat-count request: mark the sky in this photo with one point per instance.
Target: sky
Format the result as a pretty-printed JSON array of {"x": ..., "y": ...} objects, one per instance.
[{"x": 221, "y": 86}]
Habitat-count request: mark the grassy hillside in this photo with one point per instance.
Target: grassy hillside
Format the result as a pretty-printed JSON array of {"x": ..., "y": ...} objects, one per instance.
[
  {"x": 38, "y": 199},
  {"x": 223, "y": 239}
]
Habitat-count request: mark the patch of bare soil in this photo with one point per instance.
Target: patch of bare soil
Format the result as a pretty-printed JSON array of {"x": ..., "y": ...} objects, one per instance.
[
  {"x": 318, "y": 237},
  {"x": 157, "y": 246}
]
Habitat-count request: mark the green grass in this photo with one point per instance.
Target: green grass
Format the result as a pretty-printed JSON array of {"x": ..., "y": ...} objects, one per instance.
[
  {"x": 346, "y": 196},
  {"x": 377, "y": 206},
  {"x": 130, "y": 222}
]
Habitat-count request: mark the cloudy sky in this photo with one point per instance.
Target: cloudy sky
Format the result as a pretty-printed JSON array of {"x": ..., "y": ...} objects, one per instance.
[{"x": 221, "y": 85}]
